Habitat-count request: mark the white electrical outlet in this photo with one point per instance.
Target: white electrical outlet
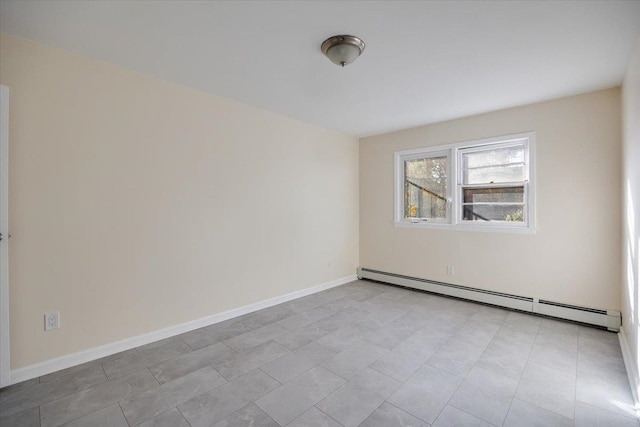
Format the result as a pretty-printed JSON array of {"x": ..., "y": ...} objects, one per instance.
[
  {"x": 51, "y": 321},
  {"x": 450, "y": 270}
]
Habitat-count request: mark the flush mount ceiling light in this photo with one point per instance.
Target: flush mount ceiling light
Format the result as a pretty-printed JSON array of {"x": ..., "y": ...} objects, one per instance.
[{"x": 342, "y": 50}]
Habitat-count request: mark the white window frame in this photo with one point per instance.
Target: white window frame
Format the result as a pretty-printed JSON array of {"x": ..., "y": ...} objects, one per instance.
[
  {"x": 454, "y": 185},
  {"x": 422, "y": 155}
]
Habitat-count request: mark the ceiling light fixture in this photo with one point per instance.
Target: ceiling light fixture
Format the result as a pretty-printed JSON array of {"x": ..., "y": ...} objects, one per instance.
[{"x": 342, "y": 50}]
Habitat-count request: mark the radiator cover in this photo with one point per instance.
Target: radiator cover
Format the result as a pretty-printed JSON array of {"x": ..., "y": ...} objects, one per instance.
[{"x": 610, "y": 319}]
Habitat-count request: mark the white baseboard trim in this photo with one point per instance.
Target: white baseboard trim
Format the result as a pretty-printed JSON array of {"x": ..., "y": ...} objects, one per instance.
[
  {"x": 69, "y": 360},
  {"x": 632, "y": 371}
]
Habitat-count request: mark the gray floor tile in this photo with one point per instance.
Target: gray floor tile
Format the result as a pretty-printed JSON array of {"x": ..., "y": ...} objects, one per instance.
[
  {"x": 30, "y": 397},
  {"x": 557, "y": 333},
  {"x": 487, "y": 315},
  {"x": 227, "y": 329},
  {"x": 403, "y": 361},
  {"x": 267, "y": 316},
  {"x": 504, "y": 357},
  {"x": 417, "y": 318},
  {"x": 347, "y": 315},
  {"x": 388, "y": 415},
  {"x": 381, "y": 317},
  {"x": 110, "y": 416},
  {"x": 364, "y": 294},
  {"x": 392, "y": 334},
  {"x": 169, "y": 418},
  {"x": 548, "y": 388},
  {"x": 314, "y": 418},
  {"x": 486, "y": 395},
  {"x": 28, "y": 418},
  {"x": 345, "y": 337},
  {"x": 456, "y": 357},
  {"x": 69, "y": 371},
  {"x": 293, "y": 364},
  {"x": 596, "y": 363},
  {"x": 335, "y": 294},
  {"x": 75, "y": 369},
  {"x": 356, "y": 400},
  {"x": 249, "y": 416},
  {"x": 189, "y": 362},
  {"x": 555, "y": 356},
  {"x": 522, "y": 322},
  {"x": 604, "y": 343},
  {"x": 478, "y": 334},
  {"x": 524, "y": 414},
  {"x": 353, "y": 360},
  {"x": 589, "y": 416},
  {"x": 571, "y": 371},
  {"x": 199, "y": 338},
  {"x": 254, "y": 338},
  {"x": 215, "y": 405},
  {"x": 146, "y": 356},
  {"x": 306, "y": 318},
  {"x": 426, "y": 392},
  {"x": 341, "y": 304},
  {"x": 288, "y": 402},
  {"x": 241, "y": 363},
  {"x": 303, "y": 304},
  {"x": 610, "y": 392},
  {"x": 155, "y": 401},
  {"x": 14, "y": 388},
  {"x": 296, "y": 339},
  {"x": 396, "y": 293},
  {"x": 87, "y": 401},
  {"x": 516, "y": 337},
  {"x": 432, "y": 337},
  {"x": 559, "y": 327},
  {"x": 454, "y": 417}
]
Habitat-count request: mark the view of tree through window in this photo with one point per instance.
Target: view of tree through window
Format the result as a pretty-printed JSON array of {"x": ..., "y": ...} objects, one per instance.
[{"x": 425, "y": 188}]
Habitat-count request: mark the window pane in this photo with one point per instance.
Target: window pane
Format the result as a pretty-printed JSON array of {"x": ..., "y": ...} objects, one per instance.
[
  {"x": 493, "y": 204},
  {"x": 493, "y": 165},
  {"x": 493, "y": 195},
  {"x": 488, "y": 175},
  {"x": 425, "y": 188},
  {"x": 493, "y": 157},
  {"x": 509, "y": 213}
]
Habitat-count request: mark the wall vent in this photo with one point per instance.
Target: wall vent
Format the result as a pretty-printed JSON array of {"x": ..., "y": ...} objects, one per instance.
[{"x": 610, "y": 319}]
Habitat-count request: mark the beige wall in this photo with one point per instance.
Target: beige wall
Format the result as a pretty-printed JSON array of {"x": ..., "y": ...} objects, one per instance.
[
  {"x": 631, "y": 205},
  {"x": 136, "y": 204},
  {"x": 575, "y": 255}
]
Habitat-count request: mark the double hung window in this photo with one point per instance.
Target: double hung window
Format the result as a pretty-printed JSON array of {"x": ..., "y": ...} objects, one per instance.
[{"x": 477, "y": 185}]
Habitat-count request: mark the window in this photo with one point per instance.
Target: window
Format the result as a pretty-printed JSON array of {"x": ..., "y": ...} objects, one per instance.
[
  {"x": 425, "y": 187},
  {"x": 479, "y": 185}
]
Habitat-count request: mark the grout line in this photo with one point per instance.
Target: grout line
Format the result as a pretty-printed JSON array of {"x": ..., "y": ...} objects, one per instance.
[
  {"x": 125, "y": 418},
  {"x": 185, "y": 418},
  {"x": 321, "y": 411}
]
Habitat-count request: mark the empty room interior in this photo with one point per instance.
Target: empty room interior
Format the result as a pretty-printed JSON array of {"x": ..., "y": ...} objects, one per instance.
[{"x": 319, "y": 213}]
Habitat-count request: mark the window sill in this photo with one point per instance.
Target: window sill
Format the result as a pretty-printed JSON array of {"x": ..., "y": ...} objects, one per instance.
[{"x": 467, "y": 227}]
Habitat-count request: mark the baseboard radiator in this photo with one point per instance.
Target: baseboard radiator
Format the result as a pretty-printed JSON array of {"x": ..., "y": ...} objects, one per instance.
[{"x": 609, "y": 319}]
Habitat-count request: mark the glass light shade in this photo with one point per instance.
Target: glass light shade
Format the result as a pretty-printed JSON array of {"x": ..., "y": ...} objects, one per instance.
[{"x": 343, "y": 54}]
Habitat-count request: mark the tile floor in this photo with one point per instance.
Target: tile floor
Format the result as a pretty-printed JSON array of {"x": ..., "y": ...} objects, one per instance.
[{"x": 362, "y": 354}]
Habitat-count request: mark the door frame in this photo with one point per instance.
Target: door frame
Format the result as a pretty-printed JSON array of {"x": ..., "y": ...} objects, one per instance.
[{"x": 5, "y": 366}]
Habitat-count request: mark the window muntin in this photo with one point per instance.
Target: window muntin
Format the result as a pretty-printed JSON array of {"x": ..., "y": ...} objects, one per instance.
[
  {"x": 425, "y": 188},
  {"x": 488, "y": 185}
]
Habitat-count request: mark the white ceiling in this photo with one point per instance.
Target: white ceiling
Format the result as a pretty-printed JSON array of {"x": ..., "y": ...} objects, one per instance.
[{"x": 424, "y": 62}]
